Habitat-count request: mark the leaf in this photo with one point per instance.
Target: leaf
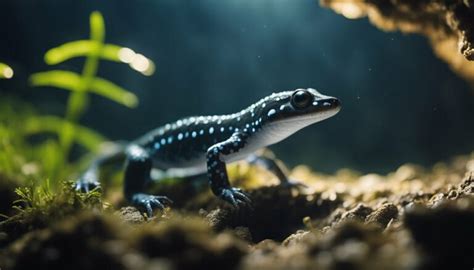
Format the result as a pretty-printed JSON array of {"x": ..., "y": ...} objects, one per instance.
[
  {"x": 81, "y": 48},
  {"x": 97, "y": 26},
  {"x": 111, "y": 52},
  {"x": 69, "y": 50},
  {"x": 113, "y": 92},
  {"x": 6, "y": 72},
  {"x": 52, "y": 124},
  {"x": 72, "y": 81},
  {"x": 57, "y": 78}
]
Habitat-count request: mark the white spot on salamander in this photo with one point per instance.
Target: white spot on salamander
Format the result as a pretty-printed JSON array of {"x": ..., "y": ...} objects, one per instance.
[
  {"x": 282, "y": 107},
  {"x": 263, "y": 105},
  {"x": 201, "y": 132},
  {"x": 315, "y": 103},
  {"x": 194, "y": 134},
  {"x": 157, "y": 145},
  {"x": 180, "y": 136},
  {"x": 271, "y": 112},
  {"x": 163, "y": 141},
  {"x": 211, "y": 130},
  {"x": 170, "y": 139},
  {"x": 222, "y": 129}
]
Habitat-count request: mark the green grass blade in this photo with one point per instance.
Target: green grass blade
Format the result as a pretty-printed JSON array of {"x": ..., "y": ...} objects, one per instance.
[
  {"x": 114, "y": 92},
  {"x": 57, "y": 78}
]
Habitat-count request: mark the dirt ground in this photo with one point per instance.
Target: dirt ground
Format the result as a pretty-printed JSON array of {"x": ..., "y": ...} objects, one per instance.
[{"x": 412, "y": 218}]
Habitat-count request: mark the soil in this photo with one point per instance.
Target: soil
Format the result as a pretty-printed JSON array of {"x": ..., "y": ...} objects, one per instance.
[{"x": 413, "y": 218}]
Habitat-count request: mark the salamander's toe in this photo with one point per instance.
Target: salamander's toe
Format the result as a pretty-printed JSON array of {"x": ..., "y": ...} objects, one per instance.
[
  {"x": 149, "y": 203},
  {"x": 236, "y": 197},
  {"x": 86, "y": 186}
]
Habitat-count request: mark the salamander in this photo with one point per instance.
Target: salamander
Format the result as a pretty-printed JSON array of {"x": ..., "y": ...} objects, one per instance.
[{"x": 205, "y": 144}]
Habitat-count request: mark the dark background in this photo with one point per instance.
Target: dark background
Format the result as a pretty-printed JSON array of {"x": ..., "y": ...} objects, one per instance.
[{"x": 400, "y": 103}]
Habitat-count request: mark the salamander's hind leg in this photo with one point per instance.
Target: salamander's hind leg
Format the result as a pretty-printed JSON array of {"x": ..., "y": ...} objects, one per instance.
[
  {"x": 137, "y": 175},
  {"x": 268, "y": 161},
  {"x": 113, "y": 154},
  {"x": 217, "y": 172}
]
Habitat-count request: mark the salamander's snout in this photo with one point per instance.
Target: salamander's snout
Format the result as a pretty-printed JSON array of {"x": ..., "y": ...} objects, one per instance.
[
  {"x": 335, "y": 102},
  {"x": 331, "y": 103}
]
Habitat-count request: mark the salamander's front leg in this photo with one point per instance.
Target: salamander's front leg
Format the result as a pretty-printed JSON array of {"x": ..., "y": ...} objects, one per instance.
[
  {"x": 137, "y": 176},
  {"x": 89, "y": 180},
  {"x": 268, "y": 161},
  {"x": 217, "y": 172}
]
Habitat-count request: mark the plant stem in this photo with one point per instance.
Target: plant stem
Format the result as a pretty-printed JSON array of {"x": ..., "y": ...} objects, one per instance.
[{"x": 78, "y": 100}]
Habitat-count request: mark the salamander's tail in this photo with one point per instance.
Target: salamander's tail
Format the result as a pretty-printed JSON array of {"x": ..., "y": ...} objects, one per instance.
[{"x": 112, "y": 153}]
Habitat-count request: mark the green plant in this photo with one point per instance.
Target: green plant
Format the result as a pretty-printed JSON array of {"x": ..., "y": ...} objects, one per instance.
[
  {"x": 29, "y": 149},
  {"x": 6, "y": 72},
  {"x": 80, "y": 85}
]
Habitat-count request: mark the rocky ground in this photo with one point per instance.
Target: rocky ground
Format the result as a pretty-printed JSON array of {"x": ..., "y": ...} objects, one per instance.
[
  {"x": 413, "y": 218},
  {"x": 447, "y": 24}
]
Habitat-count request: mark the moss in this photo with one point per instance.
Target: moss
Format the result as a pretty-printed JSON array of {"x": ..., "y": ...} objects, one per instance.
[{"x": 40, "y": 207}]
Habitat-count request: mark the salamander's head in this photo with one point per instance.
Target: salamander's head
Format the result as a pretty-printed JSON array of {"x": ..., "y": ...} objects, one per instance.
[
  {"x": 287, "y": 112},
  {"x": 300, "y": 105}
]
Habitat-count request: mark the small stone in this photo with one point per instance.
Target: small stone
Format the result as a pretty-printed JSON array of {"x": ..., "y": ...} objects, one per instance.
[
  {"x": 131, "y": 214},
  {"x": 383, "y": 215},
  {"x": 360, "y": 212}
]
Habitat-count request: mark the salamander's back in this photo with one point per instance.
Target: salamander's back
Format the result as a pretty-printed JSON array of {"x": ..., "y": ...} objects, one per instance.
[{"x": 236, "y": 134}]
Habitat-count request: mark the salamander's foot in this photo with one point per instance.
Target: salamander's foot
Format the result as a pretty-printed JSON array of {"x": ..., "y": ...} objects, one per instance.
[
  {"x": 150, "y": 202},
  {"x": 86, "y": 186},
  {"x": 293, "y": 184},
  {"x": 236, "y": 197}
]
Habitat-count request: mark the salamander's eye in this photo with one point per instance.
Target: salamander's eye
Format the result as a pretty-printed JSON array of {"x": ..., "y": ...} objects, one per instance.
[{"x": 301, "y": 99}]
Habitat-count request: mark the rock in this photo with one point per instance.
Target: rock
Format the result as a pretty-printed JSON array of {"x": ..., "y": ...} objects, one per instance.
[
  {"x": 131, "y": 214},
  {"x": 383, "y": 215},
  {"x": 445, "y": 234},
  {"x": 447, "y": 24},
  {"x": 360, "y": 212}
]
